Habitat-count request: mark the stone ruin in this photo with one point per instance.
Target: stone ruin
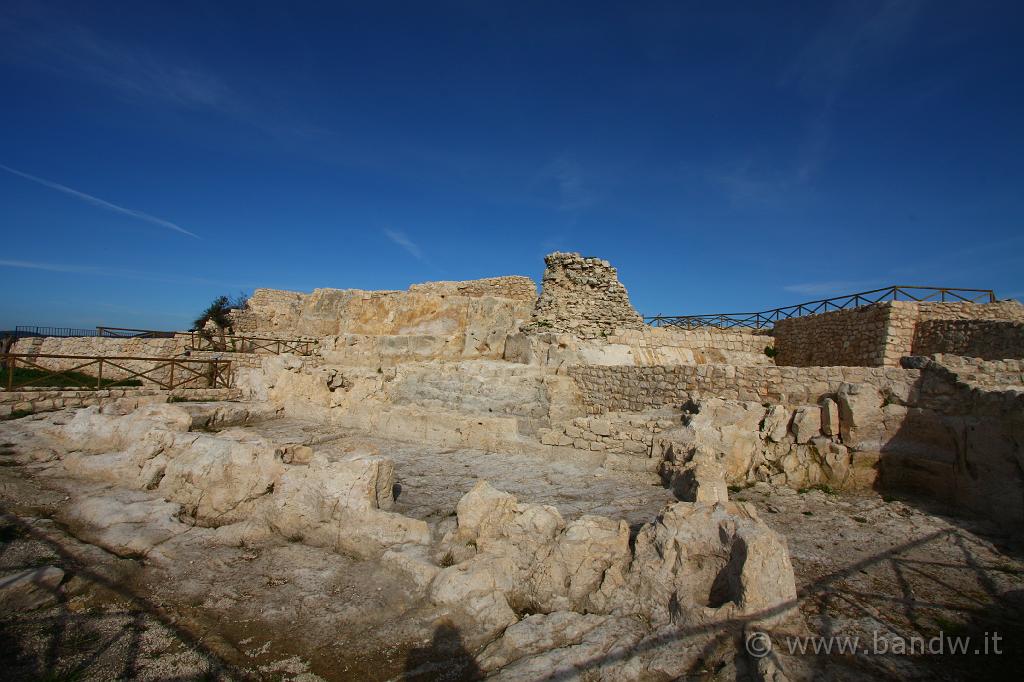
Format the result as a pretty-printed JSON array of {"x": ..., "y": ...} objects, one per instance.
[
  {"x": 467, "y": 480},
  {"x": 583, "y": 297}
]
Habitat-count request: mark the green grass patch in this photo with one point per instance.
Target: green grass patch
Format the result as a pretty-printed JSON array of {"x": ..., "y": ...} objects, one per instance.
[
  {"x": 44, "y": 379},
  {"x": 827, "y": 489}
]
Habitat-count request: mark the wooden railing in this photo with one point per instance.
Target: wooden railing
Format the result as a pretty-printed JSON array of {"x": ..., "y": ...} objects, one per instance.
[
  {"x": 250, "y": 344},
  {"x": 87, "y": 372},
  {"x": 767, "y": 318}
]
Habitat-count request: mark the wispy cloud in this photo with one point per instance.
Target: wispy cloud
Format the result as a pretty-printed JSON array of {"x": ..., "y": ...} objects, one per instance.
[
  {"x": 96, "y": 201},
  {"x": 565, "y": 176},
  {"x": 46, "y": 39},
  {"x": 856, "y": 37},
  {"x": 102, "y": 271},
  {"x": 746, "y": 184},
  {"x": 402, "y": 240}
]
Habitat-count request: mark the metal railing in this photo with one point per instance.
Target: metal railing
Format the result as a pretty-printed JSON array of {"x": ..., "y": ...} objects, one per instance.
[
  {"x": 64, "y": 332},
  {"x": 767, "y": 318},
  {"x": 250, "y": 344},
  {"x": 126, "y": 333},
  {"x": 86, "y": 372}
]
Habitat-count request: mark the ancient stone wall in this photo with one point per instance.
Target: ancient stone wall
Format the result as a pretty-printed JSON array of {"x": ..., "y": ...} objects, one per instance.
[
  {"x": 25, "y": 402},
  {"x": 583, "y": 297},
  {"x": 980, "y": 373},
  {"x": 647, "y": 346},
  {"x": 626, "y": 433},
  {"x": 514, "y": 287},
  {"x": 269, "y": 311},
  {"x": 653, "y": 345},
  {"x": 431, "y": 321},
  {"x": 855, "y": 337},
  {"x": 986, "y": 339},
  {"x": 629, "y": 388},
  {"x": 102, "y": 345},
  {"x": 877, "y": 335}
]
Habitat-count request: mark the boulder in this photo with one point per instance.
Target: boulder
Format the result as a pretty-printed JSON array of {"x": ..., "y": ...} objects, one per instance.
[
  {"x": 128, "y": 523},
  {"x": 861, "y": 421},
  {"x": 699, "y": 479},
  {"x": 806, "y": 423},
  {"x": 727, "y": 429},
  {"x": 484, "y": 511},
  {"x": 220, "y": 479},
  {"x": 775, "y": 426},
  {"x": 699, "y": 562},
  {"x": 340, "y": 505},
  {"x": 579, "y": 559},
  {"x": 830, "y": 417}
]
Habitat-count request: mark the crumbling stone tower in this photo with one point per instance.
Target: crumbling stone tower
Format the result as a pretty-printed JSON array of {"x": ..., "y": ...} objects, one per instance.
[{"x": 583, "y": 297}]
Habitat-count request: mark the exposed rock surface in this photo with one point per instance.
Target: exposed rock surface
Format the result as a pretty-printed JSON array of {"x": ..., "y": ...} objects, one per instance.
[{"x": 341, "y": 520}]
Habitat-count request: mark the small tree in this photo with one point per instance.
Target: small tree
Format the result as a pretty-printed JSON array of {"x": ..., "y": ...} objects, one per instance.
[{"x": 219, "y": 313}]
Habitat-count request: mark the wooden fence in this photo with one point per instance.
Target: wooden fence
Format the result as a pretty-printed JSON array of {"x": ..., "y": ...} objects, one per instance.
[{"x": 23, "y": 371}]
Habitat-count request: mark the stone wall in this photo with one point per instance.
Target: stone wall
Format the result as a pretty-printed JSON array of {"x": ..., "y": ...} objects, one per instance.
[
  {"x": 268, "y": 311},
  {"x": 102, "y": 345},
  {"x": 431, "y": 308},
  {"x": 950, "y": 428},
  {"x": 514, "y": 287},
  {"x": 987, "y": 374},
  {"x": 663, "y": 345},
  {"x": 1000, "y": 310},
  {"x": 986, "y": 339},
  {"x": 855, "y": 337},
  {"x": 876, "y": 335},
  {"x": 26, "y": 402},
  {"x": 435, "y": 320},
  {"x": 628, "y": 388},
  {"x": 627, "y": 434},
  {"x": 647, "y": 346},
  {"x": 582, "y": 297}
]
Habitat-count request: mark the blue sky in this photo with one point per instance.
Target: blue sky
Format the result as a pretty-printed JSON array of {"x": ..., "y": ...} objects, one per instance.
[{"x": 724, "y": 156}]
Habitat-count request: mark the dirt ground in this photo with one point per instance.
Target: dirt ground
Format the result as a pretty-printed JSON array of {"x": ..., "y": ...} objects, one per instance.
[{"x": 866, "y": 565}]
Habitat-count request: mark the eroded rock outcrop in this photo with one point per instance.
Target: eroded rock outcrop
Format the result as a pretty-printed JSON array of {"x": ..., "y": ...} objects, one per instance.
[
  {"x": 696, "y": 562},
  {"x": 229, "y": 478},
  {"x": 343, "y": 505},
  {"x": 729, "y": 442}
]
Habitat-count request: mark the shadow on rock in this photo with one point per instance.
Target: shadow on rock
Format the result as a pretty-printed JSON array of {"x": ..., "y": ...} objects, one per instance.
[{"x": 445, "y": 658}]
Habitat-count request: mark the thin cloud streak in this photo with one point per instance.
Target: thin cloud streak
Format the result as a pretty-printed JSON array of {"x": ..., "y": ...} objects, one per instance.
[
  {"x": 857, "y": 37},
  {"x": 96, "y": 201},
  {"x": 117, "y": 272},
  {"x": 402, "y": 240}
]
